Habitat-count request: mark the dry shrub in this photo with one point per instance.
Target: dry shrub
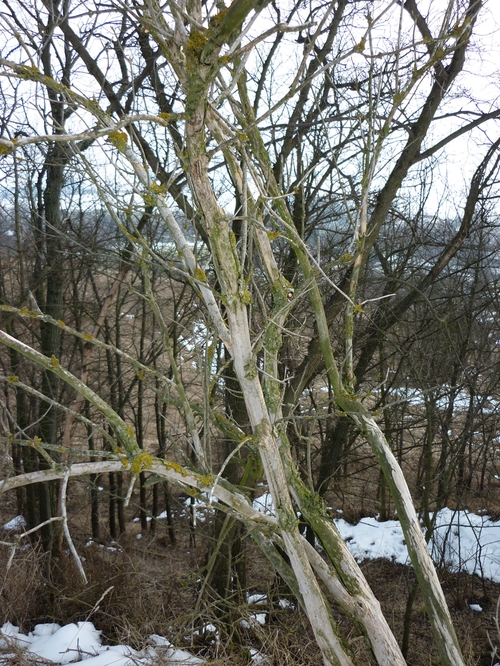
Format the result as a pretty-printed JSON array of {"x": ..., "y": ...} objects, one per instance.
[
  {"x": 126, "y": 597},
  {"x": 20, "y": 584},
  {"x": 140, "y": 588}
]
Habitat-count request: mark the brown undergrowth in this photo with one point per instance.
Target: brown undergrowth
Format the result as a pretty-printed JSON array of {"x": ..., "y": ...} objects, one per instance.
[{"x": 137, "y": 587}]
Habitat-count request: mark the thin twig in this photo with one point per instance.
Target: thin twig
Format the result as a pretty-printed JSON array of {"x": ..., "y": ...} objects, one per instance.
[{"x": 67, "y": 534}]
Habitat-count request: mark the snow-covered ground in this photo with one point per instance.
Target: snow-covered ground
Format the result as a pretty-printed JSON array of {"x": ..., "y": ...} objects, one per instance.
[
  {"x": 462, "y": 541},
  {"x": 82, "y": 642}
]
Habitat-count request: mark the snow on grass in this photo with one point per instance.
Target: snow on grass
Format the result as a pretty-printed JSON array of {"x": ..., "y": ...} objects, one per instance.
[
  {"x": 259, "y": 658},
  {"x": 77, "y": 643},
  {"x": 369, "y": 539},
  {"x": 257, "y": 599},
  {"x": 462, "y": 541},
  {"x": 16, "y": 524},
  {"x": 467, "y": 542},
  {"x": 82, "y": 643}
]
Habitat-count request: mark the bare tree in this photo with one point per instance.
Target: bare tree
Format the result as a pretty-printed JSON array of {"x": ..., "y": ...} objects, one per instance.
[{"x": 185, "y": 121}]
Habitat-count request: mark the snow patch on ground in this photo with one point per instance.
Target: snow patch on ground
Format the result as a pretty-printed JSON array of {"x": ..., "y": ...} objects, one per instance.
[
  {"x": 461, "y": 540},
  {"x": 16, "y": 524},
  {"x": 82, "y": 642}
]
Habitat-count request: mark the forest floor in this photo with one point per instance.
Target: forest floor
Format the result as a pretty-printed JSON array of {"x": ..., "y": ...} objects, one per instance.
[{"x": 141, "y": 584}]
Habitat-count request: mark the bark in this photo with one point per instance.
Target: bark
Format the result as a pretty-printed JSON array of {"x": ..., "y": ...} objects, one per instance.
[{"x": 196, "y": 63}]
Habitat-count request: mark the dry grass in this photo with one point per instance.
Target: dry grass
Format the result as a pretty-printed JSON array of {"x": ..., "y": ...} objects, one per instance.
[
  {"x": 154, "y": 590},
  {"x": 146, "y": 586}
]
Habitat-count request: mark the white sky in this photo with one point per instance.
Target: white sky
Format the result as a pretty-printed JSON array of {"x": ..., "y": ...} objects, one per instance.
[{"x": 482, "y": 80}]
